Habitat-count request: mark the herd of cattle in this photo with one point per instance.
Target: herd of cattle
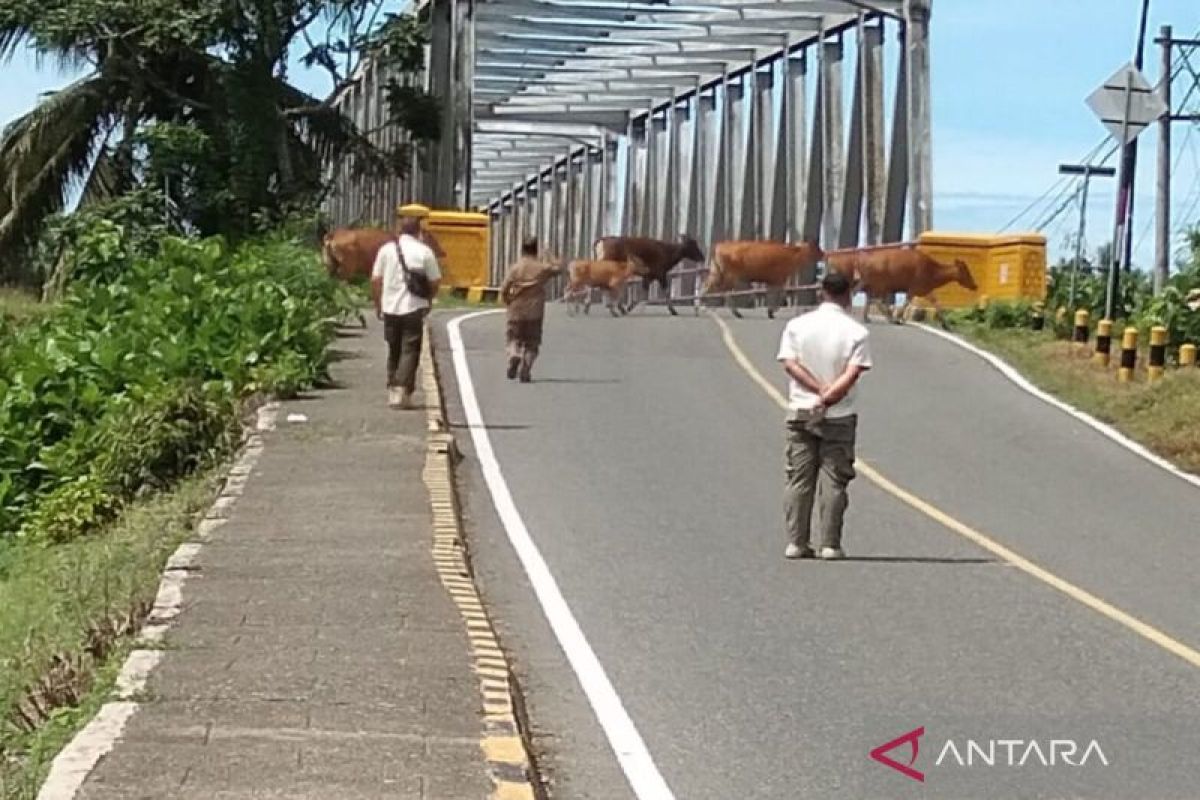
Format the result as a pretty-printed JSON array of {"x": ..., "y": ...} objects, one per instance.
[{"x": 879, "y": 272}]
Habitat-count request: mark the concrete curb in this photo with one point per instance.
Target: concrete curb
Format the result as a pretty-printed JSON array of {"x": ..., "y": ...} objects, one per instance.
[
  {"x": 80, "y": 756},
  {"x": 503, "y": 737}
]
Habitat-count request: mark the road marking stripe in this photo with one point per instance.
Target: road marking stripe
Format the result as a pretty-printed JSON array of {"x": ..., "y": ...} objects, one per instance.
[
  {"x": 1083, "y": 596},
  {"x": 508, "y": 761},
  {"x": 635, "y": 760},
  {"x": 1008, "y": 371}
]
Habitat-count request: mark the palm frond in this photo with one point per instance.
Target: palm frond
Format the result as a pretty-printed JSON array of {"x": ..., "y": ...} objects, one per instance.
[
  {"x": 13, "y": 34},
  {"x": 109, "y": 177},
  {"x": 43, "y": 151}
]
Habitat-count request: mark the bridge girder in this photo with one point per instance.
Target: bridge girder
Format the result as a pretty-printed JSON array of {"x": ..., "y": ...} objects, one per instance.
[{"x": 724, "y": 118}]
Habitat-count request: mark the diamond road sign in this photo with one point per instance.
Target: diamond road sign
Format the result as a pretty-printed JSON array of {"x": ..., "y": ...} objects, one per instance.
[{"x": 1126, "y": 89}]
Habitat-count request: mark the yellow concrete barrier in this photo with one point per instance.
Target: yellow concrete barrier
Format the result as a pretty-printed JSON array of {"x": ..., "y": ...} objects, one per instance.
[
  {"x": 1158, "y": 352},
  {"x": 1103, "y": 352},
  {"x": 464, "y": 237},
  {"x": 1187, "y": 355},
  {"x": 1129, "y": 339},
  {"x": 1080, "y": 336}
]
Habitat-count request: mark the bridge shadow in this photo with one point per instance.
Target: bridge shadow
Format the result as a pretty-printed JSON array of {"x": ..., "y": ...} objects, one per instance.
[{"x": 920, "y": 560}]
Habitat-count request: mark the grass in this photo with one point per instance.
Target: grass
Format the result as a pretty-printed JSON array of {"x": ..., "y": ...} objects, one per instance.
[
  {"x": 19, "y": 306},
  {"x": 67, "y": 612},
  {"x": 1161, "y": 416}
]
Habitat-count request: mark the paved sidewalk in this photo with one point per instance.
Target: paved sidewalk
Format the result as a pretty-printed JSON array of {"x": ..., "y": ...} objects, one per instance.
[{"x": 317, "y": 655}]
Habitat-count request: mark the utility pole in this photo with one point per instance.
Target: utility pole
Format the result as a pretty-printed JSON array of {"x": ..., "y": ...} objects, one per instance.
[
  {"x": 1162, "y": 239},
  {"x": 1162, "y": 216},
  {"x": 1087, "y": 171},
  {"x": 1122, "y": 241}
]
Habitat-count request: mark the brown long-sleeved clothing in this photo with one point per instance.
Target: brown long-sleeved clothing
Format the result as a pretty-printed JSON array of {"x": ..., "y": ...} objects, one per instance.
[{"x": 524, "y": 288}]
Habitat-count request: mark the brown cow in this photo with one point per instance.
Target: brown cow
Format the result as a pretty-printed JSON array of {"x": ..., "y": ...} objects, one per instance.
[
  {"x": 772, "y": 263},
  {"x": 349, "y": 253},
  {"x": 608, "y": 275},
  {"x": 883, "y": 271},
  {"x": 650, "y": 259}
]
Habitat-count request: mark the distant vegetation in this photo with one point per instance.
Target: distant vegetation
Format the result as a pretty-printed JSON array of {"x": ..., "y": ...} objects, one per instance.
[
  {"x": 194, "y": 100},
  {"x": 1163, "y": 415},
  {"x": 139, "y": 330},
  {"x": 1138, "y": 304}
]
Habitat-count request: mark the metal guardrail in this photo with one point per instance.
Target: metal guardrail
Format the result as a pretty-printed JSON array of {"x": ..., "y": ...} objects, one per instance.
[{"x": 684, "y": 287}]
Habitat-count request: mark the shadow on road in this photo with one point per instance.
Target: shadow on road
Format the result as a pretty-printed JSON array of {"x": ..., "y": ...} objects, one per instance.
[
  {"x": 919, "y": 560},
  {"x": 576, "y": 380},
  {"x": 488, "y": 427},
  {"x": 336, "y": 355}
]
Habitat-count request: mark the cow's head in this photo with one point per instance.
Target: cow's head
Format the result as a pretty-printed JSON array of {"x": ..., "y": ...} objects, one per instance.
[
  {"x": 690, "y": 250},
  {"x": 963, "y": 275}
]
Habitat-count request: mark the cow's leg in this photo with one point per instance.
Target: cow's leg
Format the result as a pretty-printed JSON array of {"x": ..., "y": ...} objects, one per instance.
[
  {"x": 664, "y": 284},
  {"x": 731, "y": 304},
  {"x": 614, "y": 300},
  {"x": 773, "y": 304},
  {"x": 937, "y": 310}
]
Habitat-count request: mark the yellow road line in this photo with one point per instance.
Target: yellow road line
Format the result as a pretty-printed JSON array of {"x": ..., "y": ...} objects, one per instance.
[{"x": 1076, "y": 593}]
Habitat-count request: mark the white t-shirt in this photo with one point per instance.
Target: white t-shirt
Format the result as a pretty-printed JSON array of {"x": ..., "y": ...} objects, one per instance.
[
  {"x": 825, "y": 341},
  {"x": 396, "y": 298}
]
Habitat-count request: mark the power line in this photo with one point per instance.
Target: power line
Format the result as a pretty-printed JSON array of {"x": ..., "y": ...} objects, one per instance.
[
  {"x": 1063, "y": 180},
  {"x": 1064, "y": 184},
  {"x": 1194, "y": 193},
  {"x": 1149, "y": 225}
]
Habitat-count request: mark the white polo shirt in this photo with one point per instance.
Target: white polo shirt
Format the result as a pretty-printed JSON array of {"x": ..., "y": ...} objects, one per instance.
[
  {"x": 824, "y": 341},
  {"x": 396, "y": 298}
]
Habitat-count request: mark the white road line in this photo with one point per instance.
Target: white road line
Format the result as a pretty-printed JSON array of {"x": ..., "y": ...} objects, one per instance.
[
  {"x": 1008, "y": 371},
  {"x": 643, "y": 775}
]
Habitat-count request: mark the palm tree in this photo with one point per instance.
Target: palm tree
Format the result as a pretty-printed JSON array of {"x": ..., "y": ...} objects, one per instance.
[{"x": 214, "y": 66}]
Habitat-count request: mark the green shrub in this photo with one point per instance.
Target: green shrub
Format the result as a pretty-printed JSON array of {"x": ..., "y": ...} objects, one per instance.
[
  {"x": 1170, "y": 309},
  {"x": 1008, "y": 315},
  {"x": 156, "y": 352}
]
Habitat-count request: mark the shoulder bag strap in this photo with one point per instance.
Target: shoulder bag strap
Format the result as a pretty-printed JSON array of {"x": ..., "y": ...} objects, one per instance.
[{"x": 400, "y": 255}]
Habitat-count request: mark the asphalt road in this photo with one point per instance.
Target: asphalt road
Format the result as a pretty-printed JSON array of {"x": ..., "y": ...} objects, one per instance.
[{"x": 647, "y": 467}]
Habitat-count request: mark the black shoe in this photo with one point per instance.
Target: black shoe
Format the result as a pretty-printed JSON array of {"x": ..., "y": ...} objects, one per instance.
[{"x": 513, "y": 365}]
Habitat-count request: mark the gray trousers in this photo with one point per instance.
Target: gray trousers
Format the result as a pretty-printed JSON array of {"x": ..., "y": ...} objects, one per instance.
[
  {"x": 820, "y": 462},
  {"x": 403, "y": 333}
]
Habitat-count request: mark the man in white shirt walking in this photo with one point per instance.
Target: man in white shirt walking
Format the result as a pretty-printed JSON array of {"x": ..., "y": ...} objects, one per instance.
[
  {"x": 824, "y": 352},
  {"x": 402, "y": 310}
]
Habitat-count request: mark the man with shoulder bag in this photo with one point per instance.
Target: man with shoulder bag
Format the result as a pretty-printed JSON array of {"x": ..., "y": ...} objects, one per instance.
[{"x": 404, "y": 281}]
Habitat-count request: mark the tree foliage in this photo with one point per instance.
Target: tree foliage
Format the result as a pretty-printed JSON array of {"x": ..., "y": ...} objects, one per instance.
[{"x": 193, "y": 97}]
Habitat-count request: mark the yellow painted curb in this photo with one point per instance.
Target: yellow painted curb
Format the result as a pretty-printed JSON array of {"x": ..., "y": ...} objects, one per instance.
[{"x": 504, "y": 747}]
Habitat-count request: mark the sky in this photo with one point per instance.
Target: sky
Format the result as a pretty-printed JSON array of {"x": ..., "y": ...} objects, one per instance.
[{"x": 1010, "y": 80}]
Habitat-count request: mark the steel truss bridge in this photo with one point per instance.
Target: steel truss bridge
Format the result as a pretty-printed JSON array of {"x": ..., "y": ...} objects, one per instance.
[{"x": 572, "y": 119}]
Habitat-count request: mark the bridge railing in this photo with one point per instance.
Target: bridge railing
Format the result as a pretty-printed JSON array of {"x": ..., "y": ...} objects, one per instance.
[{"x": 685, "y": 287}]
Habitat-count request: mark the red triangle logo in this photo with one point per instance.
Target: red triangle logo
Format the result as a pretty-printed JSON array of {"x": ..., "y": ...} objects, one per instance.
[{"x": 912, "y": 738}]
